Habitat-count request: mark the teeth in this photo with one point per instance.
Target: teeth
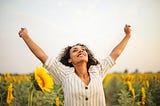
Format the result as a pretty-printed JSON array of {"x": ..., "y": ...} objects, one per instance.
[{"x": 81, "y": 55}]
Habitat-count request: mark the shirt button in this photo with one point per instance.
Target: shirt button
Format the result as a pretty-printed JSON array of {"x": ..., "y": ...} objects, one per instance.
[
  {"x": 86, "y": 98},
  {"x": 86, "y": 87}
]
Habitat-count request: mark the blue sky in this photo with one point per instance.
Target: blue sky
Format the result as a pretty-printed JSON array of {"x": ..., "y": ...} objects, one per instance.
[{"x": 55, "y": 24}]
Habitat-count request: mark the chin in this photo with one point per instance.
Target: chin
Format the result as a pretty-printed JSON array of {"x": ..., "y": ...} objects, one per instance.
[{"x": 84, "y": 60}]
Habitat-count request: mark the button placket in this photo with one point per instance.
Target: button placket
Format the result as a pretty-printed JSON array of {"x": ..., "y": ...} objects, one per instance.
[{"x": 86, "y": 88}]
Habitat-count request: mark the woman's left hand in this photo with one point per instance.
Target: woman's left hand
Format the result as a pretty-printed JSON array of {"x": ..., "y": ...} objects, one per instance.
[{"x": 127, "y": 30}]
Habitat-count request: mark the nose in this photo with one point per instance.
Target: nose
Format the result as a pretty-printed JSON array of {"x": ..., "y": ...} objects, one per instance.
[{"x": 81, "y": 50}]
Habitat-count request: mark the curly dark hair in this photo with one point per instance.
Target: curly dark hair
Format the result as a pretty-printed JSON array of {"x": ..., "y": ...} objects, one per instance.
[{"x": 65, "y": 55}]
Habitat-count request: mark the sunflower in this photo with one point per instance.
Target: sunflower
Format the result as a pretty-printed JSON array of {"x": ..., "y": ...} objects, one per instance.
[
  {"x": 43, "y": 79},
  {"x": 143, "y": 93},
  {"x": 9, "y": 94},
  {"x": 57, "y": 101}
]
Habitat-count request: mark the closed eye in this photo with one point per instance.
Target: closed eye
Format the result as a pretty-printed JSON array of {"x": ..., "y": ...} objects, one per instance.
[
  {"x": 79, "y": 49},
  {"x": 84, "y": 49},
  {"x": 75, "y": 50}
]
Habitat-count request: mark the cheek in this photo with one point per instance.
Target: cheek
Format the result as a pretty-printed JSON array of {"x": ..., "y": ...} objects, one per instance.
[
  {"x": 87, "y": 58},
  {"x": 72, "y": 56}
]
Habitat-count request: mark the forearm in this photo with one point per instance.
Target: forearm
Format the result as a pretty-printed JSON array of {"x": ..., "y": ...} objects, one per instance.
[
  {"x": 115, "y": 53},
  {"x": 35, "y": 49}
]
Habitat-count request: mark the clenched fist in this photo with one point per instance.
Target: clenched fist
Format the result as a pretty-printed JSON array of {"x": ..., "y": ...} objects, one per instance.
[
  {"x": 23, "y": 32},
  {"x": 127, "y": 30}
]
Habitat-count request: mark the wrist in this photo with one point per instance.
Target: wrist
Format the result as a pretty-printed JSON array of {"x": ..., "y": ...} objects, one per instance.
[{"x": 128, "y": 35}]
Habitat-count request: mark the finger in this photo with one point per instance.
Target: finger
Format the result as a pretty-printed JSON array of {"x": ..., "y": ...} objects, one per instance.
[
  {"x": 127, "y": 25},
  {"x": 22, "y": 28},
  {"x": 20, "y": 33}
]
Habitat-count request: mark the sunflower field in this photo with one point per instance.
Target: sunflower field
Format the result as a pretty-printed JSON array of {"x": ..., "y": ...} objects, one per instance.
[{"x": 38, "y": 89}]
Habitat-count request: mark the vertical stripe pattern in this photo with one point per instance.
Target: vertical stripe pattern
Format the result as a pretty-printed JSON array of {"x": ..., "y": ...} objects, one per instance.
[{"x": 76, "y": 92}]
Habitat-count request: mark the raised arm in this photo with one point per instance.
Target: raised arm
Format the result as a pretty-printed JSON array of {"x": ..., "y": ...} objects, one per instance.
[
  {"x": 36, "y": 50},
  {"x": 120, "y": 47}
]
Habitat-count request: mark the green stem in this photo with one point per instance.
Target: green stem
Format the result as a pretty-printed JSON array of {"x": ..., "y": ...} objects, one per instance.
[
  {"x": 30, "y": 96},
  {"x": 1, "y": 101}
]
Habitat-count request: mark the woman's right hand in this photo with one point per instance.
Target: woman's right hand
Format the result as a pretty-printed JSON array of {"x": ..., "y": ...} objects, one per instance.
[
  {"x": 35, "y": 49},
  {"x": 23, "y": 32}
]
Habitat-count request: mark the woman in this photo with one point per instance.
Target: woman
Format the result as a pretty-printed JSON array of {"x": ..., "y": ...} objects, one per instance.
[{"x": 79, "y": 73}]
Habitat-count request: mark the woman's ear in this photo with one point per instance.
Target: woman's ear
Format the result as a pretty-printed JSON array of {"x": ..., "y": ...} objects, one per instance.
[{"x": 69, "y": 61}]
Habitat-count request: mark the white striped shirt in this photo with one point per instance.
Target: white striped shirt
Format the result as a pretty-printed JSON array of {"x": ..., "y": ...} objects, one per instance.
[{"x": 76, "y": 92}]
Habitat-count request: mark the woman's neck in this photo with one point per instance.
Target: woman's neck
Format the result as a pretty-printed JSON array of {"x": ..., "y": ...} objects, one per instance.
[
  {"x": 81, "y": 70},
  {"x": 82, "y": 73}
]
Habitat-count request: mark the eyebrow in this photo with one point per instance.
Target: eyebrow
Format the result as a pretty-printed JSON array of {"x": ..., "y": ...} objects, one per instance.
[{"x": 74, "y": 48}]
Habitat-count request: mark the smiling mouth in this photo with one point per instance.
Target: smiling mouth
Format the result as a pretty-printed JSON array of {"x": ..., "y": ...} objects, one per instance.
[{"x": 81, "y": 55}]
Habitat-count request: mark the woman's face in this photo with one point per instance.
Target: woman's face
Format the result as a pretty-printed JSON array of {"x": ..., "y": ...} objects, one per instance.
[{"x": 78, "y": 54}]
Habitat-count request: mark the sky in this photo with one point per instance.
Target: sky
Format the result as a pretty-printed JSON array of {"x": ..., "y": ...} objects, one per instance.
[{"x": 55, "y": 24}]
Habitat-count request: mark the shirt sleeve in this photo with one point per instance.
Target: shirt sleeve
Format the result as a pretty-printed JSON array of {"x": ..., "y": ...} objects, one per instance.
[
  {"x": 105, "y": 65},
  {"x": 54, "y": 67}
]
